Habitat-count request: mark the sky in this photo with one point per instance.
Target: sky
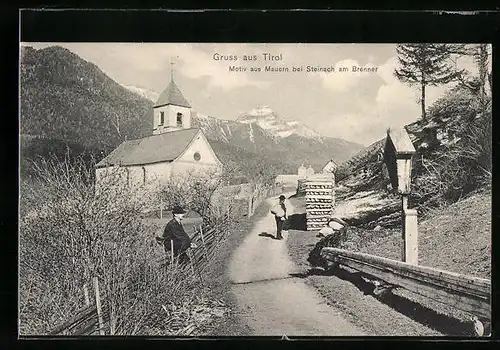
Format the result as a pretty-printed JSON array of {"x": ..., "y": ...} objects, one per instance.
[{"x": 355, "y": 106}]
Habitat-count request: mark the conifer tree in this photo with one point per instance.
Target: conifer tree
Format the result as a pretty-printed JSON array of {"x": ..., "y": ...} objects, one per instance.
[
  {"x": 424, "y": 65},
  {"x": 481, "y": 54}
]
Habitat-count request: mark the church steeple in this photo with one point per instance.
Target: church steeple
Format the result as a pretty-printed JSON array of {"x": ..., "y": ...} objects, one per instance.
[{"x": 171, "y": 111}]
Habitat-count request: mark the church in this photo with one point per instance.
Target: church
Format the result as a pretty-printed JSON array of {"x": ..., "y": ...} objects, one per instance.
[{"x": 174, "y": 148}]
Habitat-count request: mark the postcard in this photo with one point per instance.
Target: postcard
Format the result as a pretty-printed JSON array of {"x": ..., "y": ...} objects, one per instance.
[{"x": 243, "y": 189}]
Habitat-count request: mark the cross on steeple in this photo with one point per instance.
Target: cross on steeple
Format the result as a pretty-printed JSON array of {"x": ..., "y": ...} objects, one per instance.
[{"x": 172, "y": 69}]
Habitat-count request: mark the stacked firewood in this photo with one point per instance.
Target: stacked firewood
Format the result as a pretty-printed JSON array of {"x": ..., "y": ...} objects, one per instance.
[{"x": 319, "y": 201}]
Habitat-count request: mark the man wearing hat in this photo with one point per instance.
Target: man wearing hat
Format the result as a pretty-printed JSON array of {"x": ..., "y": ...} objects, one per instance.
[
  {"x": 174, "y": 231},
  {"x": 279, "y": 211}
]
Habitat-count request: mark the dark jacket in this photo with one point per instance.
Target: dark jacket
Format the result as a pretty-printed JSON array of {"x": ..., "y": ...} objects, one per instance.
[
  {"x": 175, "y": 232},
  {"x": 284, "y": 209}
]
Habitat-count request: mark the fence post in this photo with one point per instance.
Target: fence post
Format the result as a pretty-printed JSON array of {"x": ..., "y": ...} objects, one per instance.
[
  {"x": 253, "y": 203},
  {"x": 190, "y": 256},
  {"x": 410, "y": 229},
  {"x": 203, "y": 242},
  {"x": 98, "y": 306},
  {"x": 161, "y": 209},
  {"x": 86, "y": 295}
]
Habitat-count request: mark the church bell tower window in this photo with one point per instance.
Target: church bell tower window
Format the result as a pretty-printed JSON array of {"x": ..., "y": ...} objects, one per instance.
[
  {"x": 179, "y": 120},
  {"x": 162, "y": 118}
]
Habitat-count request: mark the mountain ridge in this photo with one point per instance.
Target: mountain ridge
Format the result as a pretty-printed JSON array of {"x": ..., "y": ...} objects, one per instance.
[
  {"x": 251, "y": 136},
  {"x": 144, "y": 92},
  {"x": 267, "y": 119}
]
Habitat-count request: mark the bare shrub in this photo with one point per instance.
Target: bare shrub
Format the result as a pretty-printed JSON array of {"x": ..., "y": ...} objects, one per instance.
[
  {"x": 196, "y": 190},
  {"x": 460, "y": 159},
  {"x": 71, "y": 230},
  {"x": 478, "y": 147}
]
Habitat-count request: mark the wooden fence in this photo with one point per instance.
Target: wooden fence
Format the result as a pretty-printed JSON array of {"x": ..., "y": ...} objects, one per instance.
[
  {"x": 466, "y": 293},
  {"x": 259, "y": 194},
  {"x": 93, "y": 318}
]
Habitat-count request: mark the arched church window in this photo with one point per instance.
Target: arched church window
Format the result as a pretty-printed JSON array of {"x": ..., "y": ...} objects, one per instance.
[
  {"x": 162, "y": 118},
  {"x": 179, "y": 119},
  {"x": 143, "y": 175},
  {"x": 197, "y": 156}
]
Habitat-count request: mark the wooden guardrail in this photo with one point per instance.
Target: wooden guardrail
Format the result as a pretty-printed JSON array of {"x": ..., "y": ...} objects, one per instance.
[{"x": 466, "y": 293}]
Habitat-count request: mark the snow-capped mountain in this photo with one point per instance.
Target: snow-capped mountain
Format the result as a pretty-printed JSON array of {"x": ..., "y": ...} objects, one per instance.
[
  {"x": 247, "y": 135},
  {"x": 266, "y": 134},
  {"x": 267, "y": 119},
  {"x": 146, "y": 93}
]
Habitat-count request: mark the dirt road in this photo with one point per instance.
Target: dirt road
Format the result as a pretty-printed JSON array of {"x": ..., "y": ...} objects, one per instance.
[{"x": 271, "y": 301}]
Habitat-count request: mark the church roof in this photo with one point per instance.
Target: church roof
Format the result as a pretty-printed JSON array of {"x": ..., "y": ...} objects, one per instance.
[
  {"x": 172, "y": 95},
  {"x": 164, "y": 147}
]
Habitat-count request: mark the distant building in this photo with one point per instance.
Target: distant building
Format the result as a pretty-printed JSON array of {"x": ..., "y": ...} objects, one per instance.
[
  {"x": 310, "y": 171},
  {"x": 174, "y": 148},
  {"x": 330, "y": 167},
  {"x": 293, "y": 180},
  {"x": 302, "y": 172},
  {"x": 286, "y": 180}
]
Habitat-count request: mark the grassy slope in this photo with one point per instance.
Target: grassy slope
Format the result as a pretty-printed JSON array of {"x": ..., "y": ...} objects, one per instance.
[{"x": 457, "y": 238}]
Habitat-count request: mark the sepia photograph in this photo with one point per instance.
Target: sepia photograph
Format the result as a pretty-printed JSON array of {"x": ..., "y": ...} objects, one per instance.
[{"x": 250, "y": 189}]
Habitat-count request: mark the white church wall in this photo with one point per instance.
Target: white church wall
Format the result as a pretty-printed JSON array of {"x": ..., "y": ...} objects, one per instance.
[
  {"x": 158, "y": 173},
  {"x": 152, "y": 176},
  {"x": 157, "y": 125},
  {"x": 112, "y": 175},
  {"x": 188, "y": 169},
  {"x": 198, "y": 159},
  {"x": 202, "y": 147}
]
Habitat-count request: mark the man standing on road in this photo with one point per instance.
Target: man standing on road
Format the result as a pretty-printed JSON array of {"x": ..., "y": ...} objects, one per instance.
[
  {"x": 174, "y": 232},
  {"x": 279, "y": 211}
]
